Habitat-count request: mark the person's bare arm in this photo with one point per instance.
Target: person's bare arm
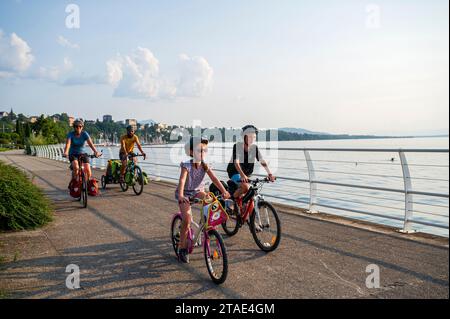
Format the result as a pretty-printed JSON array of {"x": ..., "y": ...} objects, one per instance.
[
  {"x": 92, "y": 146},
  {"x": 67, "y": 147},
  {"x": 269, "y": 173},
  {"x": 140, "y": 148},
  {"x": 181, "y": 183}
]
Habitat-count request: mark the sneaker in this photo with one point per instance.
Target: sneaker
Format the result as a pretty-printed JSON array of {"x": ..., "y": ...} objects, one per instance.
[{"x": 183, "y": 256}]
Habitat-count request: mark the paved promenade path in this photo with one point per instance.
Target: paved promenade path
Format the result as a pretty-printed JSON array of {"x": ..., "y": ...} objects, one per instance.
[{"x": 121, "y": 244}]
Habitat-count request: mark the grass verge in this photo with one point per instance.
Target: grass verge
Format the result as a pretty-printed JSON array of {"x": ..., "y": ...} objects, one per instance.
[{"x": 22, "y": 204}]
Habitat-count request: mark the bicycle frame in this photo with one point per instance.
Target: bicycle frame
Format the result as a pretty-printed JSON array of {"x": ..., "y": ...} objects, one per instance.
[
  {"x": 131, "y": 163},
  {"x": 194, "y": 238}
]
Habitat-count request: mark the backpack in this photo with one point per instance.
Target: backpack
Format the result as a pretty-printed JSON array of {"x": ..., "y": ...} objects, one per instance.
[
  {"x": 215, "y": 190},
  {"x": 75, "y": 189},
  {"x": 115, "y": 168},
  {"x": 93, "y": 187}
]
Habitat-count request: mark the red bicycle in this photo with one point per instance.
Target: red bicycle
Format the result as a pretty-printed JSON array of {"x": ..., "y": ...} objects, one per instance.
[{"x": 259, "y": 214}]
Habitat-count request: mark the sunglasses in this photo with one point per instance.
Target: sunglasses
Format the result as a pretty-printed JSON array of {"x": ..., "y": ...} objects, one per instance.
[{"x": 78, "y": 126}]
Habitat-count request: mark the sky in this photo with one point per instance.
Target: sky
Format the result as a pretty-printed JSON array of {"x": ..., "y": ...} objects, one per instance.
[{"x": 348, "y": 66}]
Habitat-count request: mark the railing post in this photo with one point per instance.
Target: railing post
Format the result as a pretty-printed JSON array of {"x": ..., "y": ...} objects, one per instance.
[
  {"x": 407, "y": 226},
  {"x": 312, "y": 184},
  {"x": 58, "y": 152}
]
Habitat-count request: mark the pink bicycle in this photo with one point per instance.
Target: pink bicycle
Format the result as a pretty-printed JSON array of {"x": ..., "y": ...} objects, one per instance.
[{"x": 205, "y": 234}]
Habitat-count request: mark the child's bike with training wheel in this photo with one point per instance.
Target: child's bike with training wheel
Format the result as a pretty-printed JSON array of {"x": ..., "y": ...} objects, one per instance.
[
  {"x": 259, "y": 214},
  {"x": 205, "y": 234},
  {"x": 134, "y": 176}
]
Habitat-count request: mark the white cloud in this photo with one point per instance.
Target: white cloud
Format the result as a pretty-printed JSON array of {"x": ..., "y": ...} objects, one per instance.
[
  {"x": 195, "y": 76},
  {"x": 114, "y": 71},
  {"x": 53, "y": 73},
  {"x": 66, "y": 43},
  {"x": 138, "y": 76},
  {"x": 135, "y": 76},
  {"x": 84, "y": 80},
  {"x": 15, "y": 55}
]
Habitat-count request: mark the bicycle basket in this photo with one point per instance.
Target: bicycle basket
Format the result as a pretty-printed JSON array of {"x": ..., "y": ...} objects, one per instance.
[{"x": 216, "y": 213}]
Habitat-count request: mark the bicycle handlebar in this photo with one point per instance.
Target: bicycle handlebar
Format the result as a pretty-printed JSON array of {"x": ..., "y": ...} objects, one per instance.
[
  {"x": 199, "y": 200},
  {"x": 131, "y": 155},
  {"x": 257, "y": 181},
  {"x": 80, "y": 155}
]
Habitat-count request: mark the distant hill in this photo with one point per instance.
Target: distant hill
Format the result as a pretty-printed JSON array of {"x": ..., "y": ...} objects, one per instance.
[
  {"x": 300, "y": 131},
  {"x": 149, "y": 122}
]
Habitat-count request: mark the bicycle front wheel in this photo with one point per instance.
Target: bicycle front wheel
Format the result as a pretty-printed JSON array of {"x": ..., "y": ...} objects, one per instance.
[
  {"x": 138, "y": 183},
  {"x": 231, "y": 225},
  {"x": 265, "y": 227},
  {"x": 84, "y": 190},
  {"x": 216, "y": 257},
  {"x": 175, "y": 231}
]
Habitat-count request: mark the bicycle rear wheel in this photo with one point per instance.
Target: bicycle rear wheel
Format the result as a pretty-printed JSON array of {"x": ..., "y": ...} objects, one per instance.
[
  {"x": 266, "y": 227},
  {"x": 138, "y": 181},
  {"x": 84, "y": 190},
  {"x": 103, "y": 182},
  {"x": 216, "y": 257}
]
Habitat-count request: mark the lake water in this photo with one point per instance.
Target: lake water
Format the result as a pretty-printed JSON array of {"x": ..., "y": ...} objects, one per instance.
[{"x": 429, "y": 173}]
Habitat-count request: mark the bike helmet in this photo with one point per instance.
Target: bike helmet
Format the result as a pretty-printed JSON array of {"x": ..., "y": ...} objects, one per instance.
[
  {"x": 189, "y": 146},
  {"x": 78, "y": 122},
  {"x": 129, "y": 128},
  {"x": 249, "y": 129}
]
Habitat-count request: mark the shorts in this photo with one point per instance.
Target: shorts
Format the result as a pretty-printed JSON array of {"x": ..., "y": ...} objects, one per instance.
[
  {"x": 236, "y": 178},
  {"x": 188, "y": 194},
  {"x": 123, "y": 156},
  {"x": 84, "y": 158}
]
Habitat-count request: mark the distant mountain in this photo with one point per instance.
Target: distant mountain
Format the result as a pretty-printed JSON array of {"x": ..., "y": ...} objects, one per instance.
[
  {"x": 149, "y": 122},
  {"x": 300, "y": 131}
]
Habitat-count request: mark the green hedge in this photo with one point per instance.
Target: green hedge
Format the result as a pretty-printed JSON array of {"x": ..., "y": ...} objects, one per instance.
[{"x": 22, "y": 204}]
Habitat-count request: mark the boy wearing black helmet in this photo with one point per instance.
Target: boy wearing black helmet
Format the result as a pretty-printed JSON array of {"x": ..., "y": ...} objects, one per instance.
[
  {"x": 242, "y": 163},
  {"x": 127, "y": 143}
]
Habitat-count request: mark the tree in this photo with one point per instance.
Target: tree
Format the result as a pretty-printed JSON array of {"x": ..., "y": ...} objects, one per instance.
[
  {"x": 11, "y": 115},
  {"x": 20, "y": 131},
  {"x": 27, "y": 130}
]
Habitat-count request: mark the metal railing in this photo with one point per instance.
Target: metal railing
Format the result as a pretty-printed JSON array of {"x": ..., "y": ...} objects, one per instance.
[{"x": 307, "y": 188}]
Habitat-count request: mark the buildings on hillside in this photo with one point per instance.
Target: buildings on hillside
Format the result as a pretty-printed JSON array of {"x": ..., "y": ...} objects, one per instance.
[{"x": 3, "y": 114}]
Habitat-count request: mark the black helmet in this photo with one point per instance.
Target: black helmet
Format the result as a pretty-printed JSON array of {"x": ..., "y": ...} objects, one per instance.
[
  {"x": 129, "y": 128},
  {"x": 249, "y": 129},
  {"x": 189, "y": 146}
]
